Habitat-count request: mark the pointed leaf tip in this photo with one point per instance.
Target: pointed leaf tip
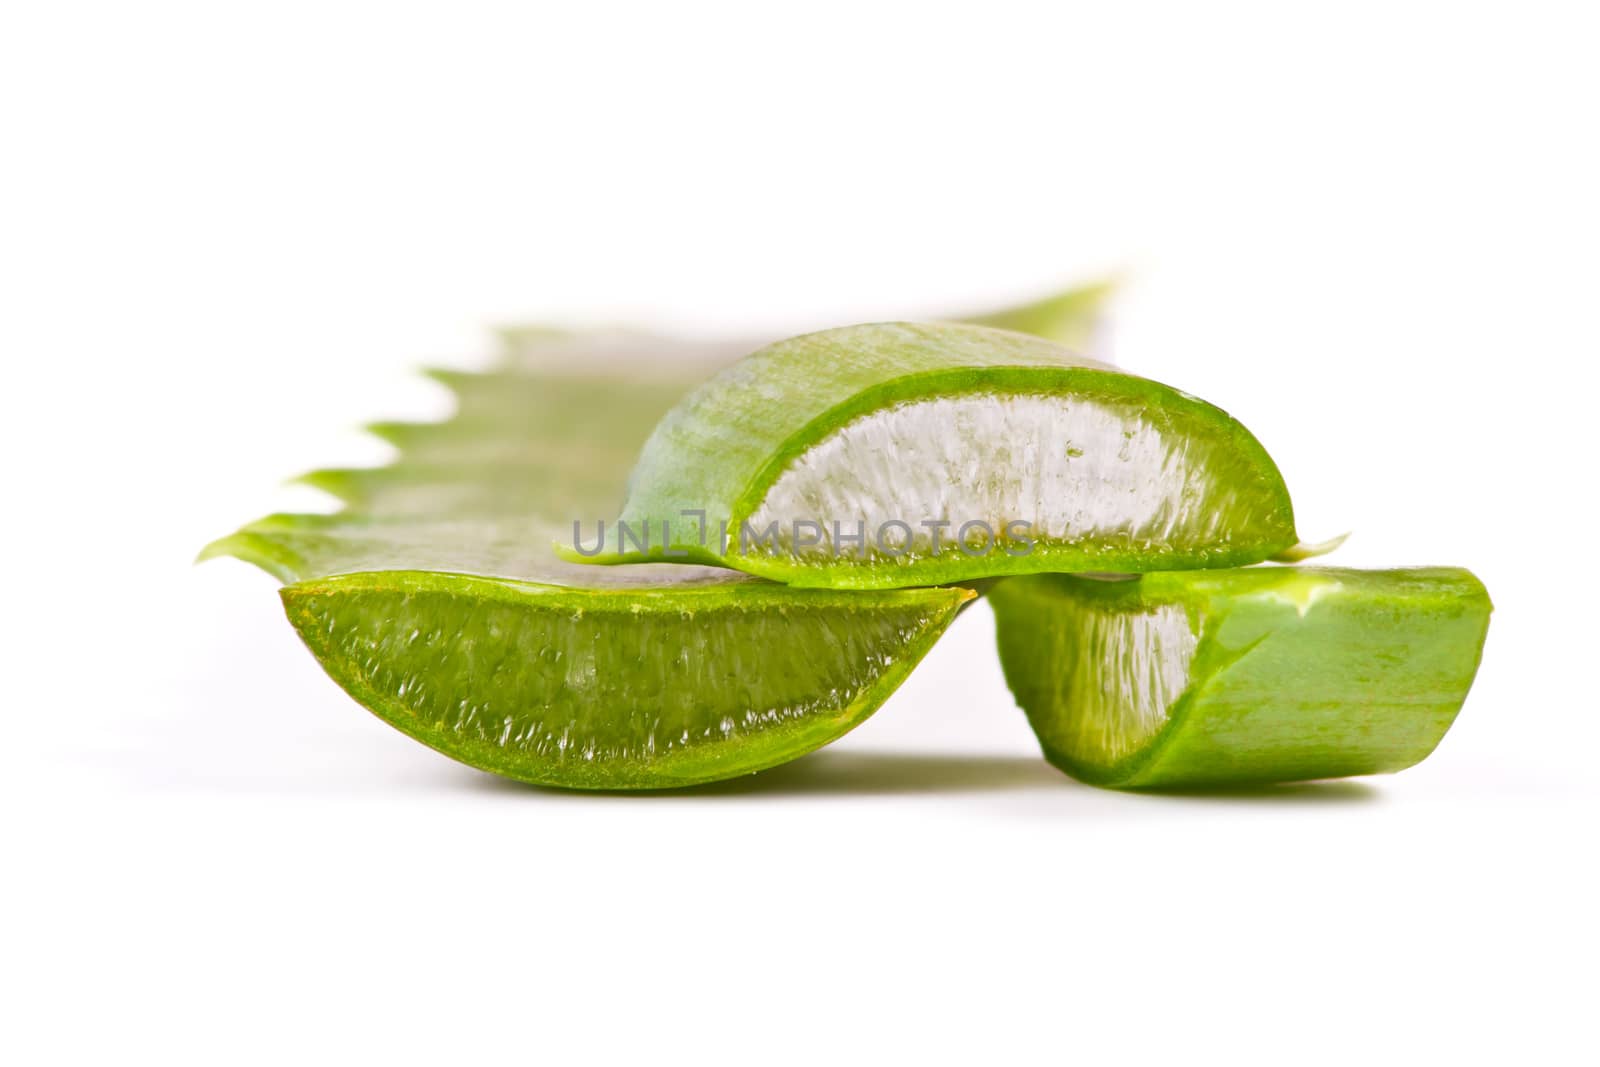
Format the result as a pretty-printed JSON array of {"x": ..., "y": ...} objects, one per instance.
[{"x": 1305, "y": 550}]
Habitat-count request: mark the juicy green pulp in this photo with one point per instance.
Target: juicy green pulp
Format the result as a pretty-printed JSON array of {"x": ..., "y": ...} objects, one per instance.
[
  {"x": 638, "y": 689},
  {"x": 725, "y": 445},
  {"x": 1297, "y": 673}
]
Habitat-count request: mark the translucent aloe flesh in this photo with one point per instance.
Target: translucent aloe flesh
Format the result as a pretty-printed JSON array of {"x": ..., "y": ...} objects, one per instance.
[
  {"x": 620, "y": 689},
  {"x": 902, "y": 454},
  {"x": 434, "y": 597},
  {"x": 1229, "y": 677}
]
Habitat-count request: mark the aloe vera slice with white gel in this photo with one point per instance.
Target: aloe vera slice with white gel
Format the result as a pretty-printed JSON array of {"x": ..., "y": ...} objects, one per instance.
[
  {"x": 1233, "y": 677},
  {"x": 903, "y": 454}
]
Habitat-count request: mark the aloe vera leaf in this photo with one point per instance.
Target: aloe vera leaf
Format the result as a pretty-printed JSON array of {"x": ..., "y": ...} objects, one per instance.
[
  {"x": 802, "y": 447},
  {"x": 543, "y": 440},
  {"x": 434, "y": 599},
  {"x": 1232, "y": 677}
]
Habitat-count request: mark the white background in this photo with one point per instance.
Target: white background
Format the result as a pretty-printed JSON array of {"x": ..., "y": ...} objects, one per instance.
[{"x": 229, "y": 231}]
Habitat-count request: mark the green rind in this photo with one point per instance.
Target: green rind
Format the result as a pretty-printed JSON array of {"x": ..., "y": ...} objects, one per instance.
[
  {"x": 374, "y": 601},
  {"x": 1299, "y": 673},
  {"x": 722, "y": 448}
]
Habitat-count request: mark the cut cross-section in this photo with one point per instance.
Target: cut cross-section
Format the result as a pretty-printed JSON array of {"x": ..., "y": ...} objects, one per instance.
[
  {"x": 1097, "y": 476},
  {"x": 1232, "y": 677}
]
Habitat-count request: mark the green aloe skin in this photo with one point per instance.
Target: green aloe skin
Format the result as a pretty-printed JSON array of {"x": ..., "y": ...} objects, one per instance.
[
  {"x": 435, "y": 600},
  {"x": 1231, "y": 677},
  {"x": 838, "y": 460}
]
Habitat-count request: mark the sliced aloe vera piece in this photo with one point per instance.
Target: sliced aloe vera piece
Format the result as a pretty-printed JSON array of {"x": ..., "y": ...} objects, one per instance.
[
  {"x": 1232, "y": 677},
  {"x": 901, "y": 454},
  {"x": 435, "y": 600},
  {"x": 620, "y": 689}
]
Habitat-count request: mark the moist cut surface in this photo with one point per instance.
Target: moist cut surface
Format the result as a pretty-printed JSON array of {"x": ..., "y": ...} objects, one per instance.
[{"x": 1019, "y": 467}]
